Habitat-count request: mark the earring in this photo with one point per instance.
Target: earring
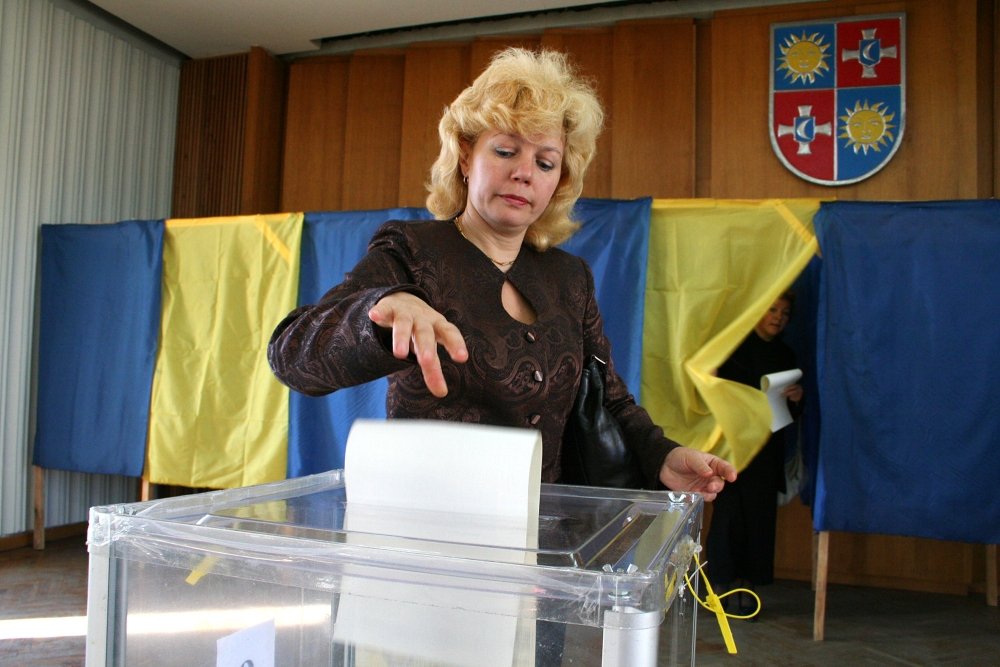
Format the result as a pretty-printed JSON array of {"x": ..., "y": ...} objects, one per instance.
[{"x": 465, "y": 179}]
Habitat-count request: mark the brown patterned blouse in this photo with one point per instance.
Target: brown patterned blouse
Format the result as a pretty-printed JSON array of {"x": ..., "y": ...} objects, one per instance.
[{"x": 523, "y": 375}]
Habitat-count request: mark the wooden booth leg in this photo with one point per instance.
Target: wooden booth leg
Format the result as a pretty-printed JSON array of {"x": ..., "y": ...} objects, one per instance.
[
  {"x": 991, "y": 575},
  {"x": 38, "y": 532},
  {"x": 822, "y": 565}
]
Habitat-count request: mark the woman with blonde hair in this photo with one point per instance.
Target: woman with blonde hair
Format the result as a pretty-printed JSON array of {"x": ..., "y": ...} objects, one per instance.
[{"x": 515, "y": 318}]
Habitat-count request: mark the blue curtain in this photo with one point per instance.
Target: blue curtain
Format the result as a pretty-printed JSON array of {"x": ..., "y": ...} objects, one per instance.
[
  {"x": 332, "y": 243},
  {"x": 614, "y": 239},
  {"x": 908, "y": 364},
  {"x": 98, "y": 330},
  {"x": 801, "y": 337}
]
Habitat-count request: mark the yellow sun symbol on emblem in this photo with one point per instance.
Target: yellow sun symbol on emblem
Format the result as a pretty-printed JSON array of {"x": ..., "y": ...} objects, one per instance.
[
  {"x": 804, "y": 58},
  {"x": 867, "y": 127}
]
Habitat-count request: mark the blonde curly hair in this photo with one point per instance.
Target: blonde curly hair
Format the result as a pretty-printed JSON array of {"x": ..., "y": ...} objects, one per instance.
[{"x": 527, "y": 93}]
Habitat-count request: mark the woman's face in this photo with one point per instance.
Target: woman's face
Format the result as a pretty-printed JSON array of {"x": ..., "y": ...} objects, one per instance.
[
  {"x": 775, "y": 319},
  {"x": 511, "y": 178}
]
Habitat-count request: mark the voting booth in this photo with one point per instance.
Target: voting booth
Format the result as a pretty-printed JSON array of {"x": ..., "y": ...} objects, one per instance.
[{"x": 295, "y": 573}]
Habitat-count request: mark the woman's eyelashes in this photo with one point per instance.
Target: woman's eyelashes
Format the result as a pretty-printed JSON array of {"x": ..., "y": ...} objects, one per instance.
[{"x": 507, "y": 153}]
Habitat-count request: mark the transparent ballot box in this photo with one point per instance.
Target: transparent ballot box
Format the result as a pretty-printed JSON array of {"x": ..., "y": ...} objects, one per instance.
[{"x": 290, "y": 573}]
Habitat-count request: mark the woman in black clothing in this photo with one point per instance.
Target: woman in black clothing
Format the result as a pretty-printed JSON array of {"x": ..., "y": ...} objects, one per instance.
[{"x": 740, "y": 542}]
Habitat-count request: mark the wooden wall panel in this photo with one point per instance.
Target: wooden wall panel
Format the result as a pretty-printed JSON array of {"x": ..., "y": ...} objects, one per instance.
[
  {"x": 985, "y": 74},
  {"x": 592, "y": 51},
  {"x": 943, "y": 103},
  {"x": 703, "y": 109},
  {"x": 743, "y": 164},
  {"x": 653, "y": 93},
  {"x": 185, "y": 144},
  {"x": 973, "y": 94},
  {"x": 434, "y": 76},
  {"x": 210, "y": 123},
  {"x": 373, "y": 130},
  {"x": 877, "y": 560},
  {"x": 229, "y": 133},
  {"x": 267, "y": 79},
  {"x": 316, "y": 115},
  {"x": 483, "y": 49}
]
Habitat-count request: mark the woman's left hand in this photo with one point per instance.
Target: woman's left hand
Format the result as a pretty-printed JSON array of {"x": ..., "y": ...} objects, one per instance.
[
  {"x": 794, "y": 393},
  {"x": 687, "y": 469}
]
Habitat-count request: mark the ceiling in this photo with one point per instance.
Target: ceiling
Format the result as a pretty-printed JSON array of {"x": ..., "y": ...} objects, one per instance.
[
  {"x": 205, "y": 28},
  {"x": 202, "y": 28}
]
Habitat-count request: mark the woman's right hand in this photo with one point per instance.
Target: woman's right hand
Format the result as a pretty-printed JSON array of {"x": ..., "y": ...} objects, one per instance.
[{"x": 419, "y": 329}]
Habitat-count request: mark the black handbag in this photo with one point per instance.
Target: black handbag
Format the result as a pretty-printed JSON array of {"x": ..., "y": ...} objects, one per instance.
[{"x": 594, "y": 451}]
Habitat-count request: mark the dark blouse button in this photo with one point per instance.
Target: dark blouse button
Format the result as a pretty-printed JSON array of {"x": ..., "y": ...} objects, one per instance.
[
  {"x": 538, "y": 376},
  {"x": 530, "y": 337},
  {"x": 534, "y": 419}
]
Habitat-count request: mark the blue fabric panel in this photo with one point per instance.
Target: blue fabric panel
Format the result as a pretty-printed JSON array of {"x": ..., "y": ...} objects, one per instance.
[
  {"x": 801, "y": 337},
  {"x": 332, "y": 243},
  {"x": 908, "y": 363},
  {"x": 614, "y": 239},
  {"x": 98, "y": 333}
]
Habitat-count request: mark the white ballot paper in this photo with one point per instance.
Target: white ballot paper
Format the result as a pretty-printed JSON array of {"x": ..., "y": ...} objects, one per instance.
[
  {"x": 453, "y": 491},
  {"x": 773, "y": 384},
  {"x": 250, "y": 646},
  {"x": 444, "y": 467}
]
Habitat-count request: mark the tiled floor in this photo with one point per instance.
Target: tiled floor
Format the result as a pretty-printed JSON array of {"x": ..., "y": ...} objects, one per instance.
[
  {"x": 865, "y": 626},
  {"x": 43, "y": 584}
]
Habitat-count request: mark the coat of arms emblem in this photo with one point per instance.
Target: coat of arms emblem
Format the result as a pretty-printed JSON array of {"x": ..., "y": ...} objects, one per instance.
[{"x": 838, "y": 101}]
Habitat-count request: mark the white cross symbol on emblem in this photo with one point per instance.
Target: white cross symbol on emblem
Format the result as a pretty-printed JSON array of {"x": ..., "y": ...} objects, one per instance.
[
  {"x": 804, "y": 129},
  {"x": 869, "y": 53}
]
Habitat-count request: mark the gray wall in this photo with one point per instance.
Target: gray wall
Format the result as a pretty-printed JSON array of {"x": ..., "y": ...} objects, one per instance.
[{"x": 87, "y": 120}]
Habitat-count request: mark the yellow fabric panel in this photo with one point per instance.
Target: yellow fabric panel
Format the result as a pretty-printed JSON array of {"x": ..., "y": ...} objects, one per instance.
[
  {"x": 219, "y": 418},
  {"x": 714, "y": 268}
]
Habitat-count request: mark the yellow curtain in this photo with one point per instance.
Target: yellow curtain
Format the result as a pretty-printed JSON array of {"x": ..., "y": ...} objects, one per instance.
[
  {"x": 714, "y": 268},
  {"x": 218, "y": 417}
]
